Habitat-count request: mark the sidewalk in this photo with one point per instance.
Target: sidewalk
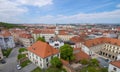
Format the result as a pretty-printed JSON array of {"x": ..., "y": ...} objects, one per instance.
[{"x": 29, "y": 68}]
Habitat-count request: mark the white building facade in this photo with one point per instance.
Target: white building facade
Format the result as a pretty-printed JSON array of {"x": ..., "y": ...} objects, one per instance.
[{"x": 6, "y": 41}]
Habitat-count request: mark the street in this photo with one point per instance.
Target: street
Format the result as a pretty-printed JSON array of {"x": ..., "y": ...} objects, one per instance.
[{"x": 11, "y": 62}]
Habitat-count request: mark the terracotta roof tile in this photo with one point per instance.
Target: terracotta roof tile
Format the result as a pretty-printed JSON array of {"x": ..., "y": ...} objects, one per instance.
[
  {"x": 25, "y": 35},
  {"x": 5, "y": 33},
  {"x": 77, "y": 39},
  {"x": 80, "y": 55},
  {"x": 116, "y": 63},
  {"x": 101, "y": 40}
]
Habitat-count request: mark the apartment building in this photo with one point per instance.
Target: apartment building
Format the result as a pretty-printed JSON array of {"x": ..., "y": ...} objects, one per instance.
[
  {"x": 26, "y": 39},
  {"x": 107, "y": 47},
  {"x": 6, "y": 40}
]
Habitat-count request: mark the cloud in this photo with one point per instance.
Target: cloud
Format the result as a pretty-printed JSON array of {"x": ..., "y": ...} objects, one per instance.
[
  {"x": 103, "y": 17},
  {"x": 118, "y": 6},
  {"x": 38, "y": 3},
  {"x": 9, "y": 10}
]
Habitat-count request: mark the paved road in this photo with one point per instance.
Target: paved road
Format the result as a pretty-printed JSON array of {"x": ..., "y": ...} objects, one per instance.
[
  {"x": 11, "y": 62},
  {"x": 103, "y": 63},
  {"x": 29, "y": 68}
]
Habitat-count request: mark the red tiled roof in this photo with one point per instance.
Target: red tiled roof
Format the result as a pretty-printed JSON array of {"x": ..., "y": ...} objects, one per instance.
[
  {"x": 77, "y": 39},
  {"x": 42, "y": 49},
  {"x": 25, "y": 35},
  {"x": 47, "y": 31},
  {"x": 80, "y": 55},
  {"x": 65, "y": 62},
  {"x": 116, "y": 63},
  {"x": 101, "y": 40},
  {"x": 5, "y": 33},
  {"x": 36, "y": 31}
]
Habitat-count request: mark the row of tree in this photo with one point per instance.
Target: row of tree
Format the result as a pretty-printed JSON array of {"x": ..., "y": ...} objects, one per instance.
[{"x": 9, "y": 25}]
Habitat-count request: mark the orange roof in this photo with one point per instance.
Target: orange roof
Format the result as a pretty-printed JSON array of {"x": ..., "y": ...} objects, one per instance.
[
  {"x": 42, "y": 49},
  {"x": 36, "y": 31},
  {"x": 80, "y": 55},
  {"x": 63, "y": 32},
  {"x": 47, "y": 31},
  {"x": 5, "y": 33},
  {"x": 25, "y": 35},
  {"x": 65, "y": 62},
  {"x": 116, "y": 63},
  {"x": 101, "y": 40},
  {"x": 77, "y": 39}
]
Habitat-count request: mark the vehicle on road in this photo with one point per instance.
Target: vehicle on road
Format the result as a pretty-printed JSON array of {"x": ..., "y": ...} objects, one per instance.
[
  {"x": 18, "y": 67},
  {"x": 3, "y": 61}
]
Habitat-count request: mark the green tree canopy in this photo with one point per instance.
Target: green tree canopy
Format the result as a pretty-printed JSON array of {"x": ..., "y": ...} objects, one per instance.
[
  {"x": 84, "y": 62},
  {"x": 41, "y": 39},
  {"x": 94, "y": 62},
  {"x": 56, "y": 62},
  {"x": 66, "y": 52}
]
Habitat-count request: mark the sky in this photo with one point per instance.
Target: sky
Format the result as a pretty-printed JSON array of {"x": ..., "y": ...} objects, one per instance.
[{"x": 60, "y": 11}]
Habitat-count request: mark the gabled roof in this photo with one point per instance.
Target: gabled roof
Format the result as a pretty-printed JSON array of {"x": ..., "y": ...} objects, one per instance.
[
  {"x": 101, "y": 40},
  {"x": 5, "y": 34},
  {"x": 42, "y": 49},
  {"x": 116, "y": 63},
  {"x": 25, "y": 35},
  {"x": 77, "y": 39},
  {"x": 80, "y": 54}
]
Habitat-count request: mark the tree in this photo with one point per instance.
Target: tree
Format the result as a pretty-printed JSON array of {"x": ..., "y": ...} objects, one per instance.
[
  {"x": 94, "y": 62},
  {"x": 66, "y": 52},
  {"x": 56, "y": 62},
  {"x": 40, "y": 39},
  {"x": 84, "y": 62}
]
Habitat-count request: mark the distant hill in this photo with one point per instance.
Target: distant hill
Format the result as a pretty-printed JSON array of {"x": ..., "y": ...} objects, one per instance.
[{"x": 9, "y": 25}]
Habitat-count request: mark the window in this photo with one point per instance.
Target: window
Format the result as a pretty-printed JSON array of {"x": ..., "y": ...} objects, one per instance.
[
  {"x": 56, "y": 44},
  {"x": 114, "y": 69},
  {"x": 36, "y": 57},
  {"x": 46, "y": 59},
  {"x": 40, "y": 59},
  {"x": 40, "y": 64},
  {"x": 58, "y": 55}
]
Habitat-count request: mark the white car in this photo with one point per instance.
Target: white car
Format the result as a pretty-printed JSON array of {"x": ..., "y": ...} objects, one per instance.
[{"x": 18, "y": 67}]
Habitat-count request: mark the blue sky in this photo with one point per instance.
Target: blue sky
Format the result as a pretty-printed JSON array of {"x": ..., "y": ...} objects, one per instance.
[{"x": 60, "y": 11}]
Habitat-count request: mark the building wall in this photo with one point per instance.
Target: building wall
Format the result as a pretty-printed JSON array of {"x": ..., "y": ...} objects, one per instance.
[
  {"x": 112, "y": 68},
  {"x": 1, "y": 55},
  {"x": 7, "y": 42},
  {"x": 56, "y": 42},
  {"x": 47, "y": 36},
  {"x": 35, "y": 36},
  {"x": 65, "y": 37},
  {"x": 107, "y": 50},
  {"x": 86, "y": 49},
  {"x": 39, "y": 61},
  {"x": 26, "y": 41}
]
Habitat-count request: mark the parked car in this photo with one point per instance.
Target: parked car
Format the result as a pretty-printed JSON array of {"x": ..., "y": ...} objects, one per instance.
[
  {"x": 18, "y": 67},
  {"x": 3, "y": 61}
]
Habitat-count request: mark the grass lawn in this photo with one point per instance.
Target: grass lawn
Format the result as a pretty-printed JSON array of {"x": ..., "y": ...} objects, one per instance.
[
  {"x": 21, "y": 56},
  {"x": 22, "y": 50},
  {"x": 37, "y": 70},
  {"x": 6, "y": 52},
  {"x": 25, "y": 63}
]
